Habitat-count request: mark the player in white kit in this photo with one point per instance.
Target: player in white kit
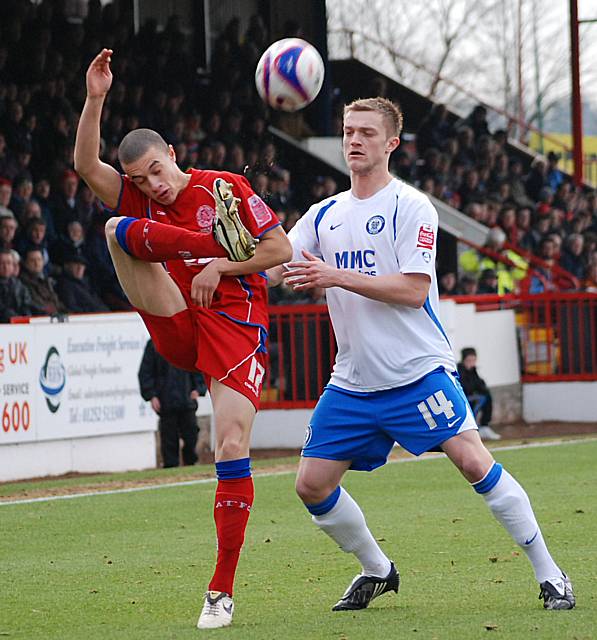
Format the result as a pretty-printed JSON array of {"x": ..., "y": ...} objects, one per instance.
[{"x": 394, "y": 380}]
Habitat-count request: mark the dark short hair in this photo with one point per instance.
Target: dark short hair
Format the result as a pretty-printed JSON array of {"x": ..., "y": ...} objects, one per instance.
[
  {"x": 137, "y": 142},
  {"x": 467, "y": 351},
  {"x": 35, "y": 222}
]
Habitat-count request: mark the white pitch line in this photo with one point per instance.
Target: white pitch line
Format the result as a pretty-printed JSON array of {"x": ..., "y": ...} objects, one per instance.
[{"x": 189, "y": 483}]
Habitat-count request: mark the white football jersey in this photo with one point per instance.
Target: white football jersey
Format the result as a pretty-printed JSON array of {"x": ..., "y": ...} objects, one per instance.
[{"x": 380, "y": 345}]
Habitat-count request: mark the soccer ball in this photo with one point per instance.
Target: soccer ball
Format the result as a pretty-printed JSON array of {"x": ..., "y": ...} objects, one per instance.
[{"x": 289, "y": 74}]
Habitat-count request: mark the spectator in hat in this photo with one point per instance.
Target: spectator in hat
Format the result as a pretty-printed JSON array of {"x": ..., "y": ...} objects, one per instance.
[
  {"x": 488, "y": 282},
  {"x": 477, "y": 393},
  {"x": 73, "y": 288}
]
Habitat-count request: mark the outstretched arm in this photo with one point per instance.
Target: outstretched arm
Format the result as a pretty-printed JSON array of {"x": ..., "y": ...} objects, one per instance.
[
  {"x": 408, "y": 289},
  {"x": 102, "y": 179}
]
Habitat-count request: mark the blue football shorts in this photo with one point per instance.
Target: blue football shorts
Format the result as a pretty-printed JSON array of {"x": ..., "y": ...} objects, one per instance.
[{"x": 363, "y": 427}]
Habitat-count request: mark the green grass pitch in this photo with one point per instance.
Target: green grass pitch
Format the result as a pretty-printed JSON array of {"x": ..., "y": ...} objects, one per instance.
[{"x": 135, "y": 565}]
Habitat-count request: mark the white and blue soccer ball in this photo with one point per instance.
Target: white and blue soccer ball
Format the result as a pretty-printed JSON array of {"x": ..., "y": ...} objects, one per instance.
[{"x": 289, "y": 74}]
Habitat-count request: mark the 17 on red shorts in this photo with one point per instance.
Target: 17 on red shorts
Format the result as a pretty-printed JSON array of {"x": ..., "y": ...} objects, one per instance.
[{"x": 203, "y": 340}]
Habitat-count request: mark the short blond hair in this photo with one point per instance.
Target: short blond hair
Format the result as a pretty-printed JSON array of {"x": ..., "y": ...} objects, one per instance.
[{"x": 391, "y": 112}]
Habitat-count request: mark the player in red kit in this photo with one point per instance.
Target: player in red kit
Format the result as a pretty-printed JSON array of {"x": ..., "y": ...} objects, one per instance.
[{"x": 207, "y": 309}]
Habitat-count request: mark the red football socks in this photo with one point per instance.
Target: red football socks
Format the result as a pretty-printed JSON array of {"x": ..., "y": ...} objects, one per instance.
[
  {"x": 233, "y": 502},
  {"x": 157, "y": 242}
]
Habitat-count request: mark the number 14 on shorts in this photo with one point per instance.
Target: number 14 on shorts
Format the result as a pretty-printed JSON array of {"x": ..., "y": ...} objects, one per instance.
[{"x": 436, "y": 404}]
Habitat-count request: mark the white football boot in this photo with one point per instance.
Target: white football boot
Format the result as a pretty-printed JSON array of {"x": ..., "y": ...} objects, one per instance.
[{"x": 217, "y": 611}]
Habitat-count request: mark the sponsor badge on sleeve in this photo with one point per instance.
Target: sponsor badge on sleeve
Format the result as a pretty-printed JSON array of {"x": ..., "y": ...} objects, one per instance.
[
  {"x": 259, "y": 210},
  {"x": 426, "y": 236}
]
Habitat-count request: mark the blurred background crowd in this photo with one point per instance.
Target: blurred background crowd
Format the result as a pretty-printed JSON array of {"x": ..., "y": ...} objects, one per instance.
[{"x": 53, "y": 255}]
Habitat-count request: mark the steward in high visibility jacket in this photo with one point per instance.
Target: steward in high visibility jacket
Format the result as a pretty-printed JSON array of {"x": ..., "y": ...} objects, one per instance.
[{"x": 508, "y": 274}]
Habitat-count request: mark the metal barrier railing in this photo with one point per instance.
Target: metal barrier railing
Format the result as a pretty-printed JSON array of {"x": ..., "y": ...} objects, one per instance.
[
  {"x": 302, "y": 350},
  {"x": 557, "y": 333},
  {"x": 557, "y": 338}
]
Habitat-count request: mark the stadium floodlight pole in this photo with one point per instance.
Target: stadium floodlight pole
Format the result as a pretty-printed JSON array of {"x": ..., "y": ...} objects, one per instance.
[
  {"x": 538, "y": 96},
  {"x": 577, "y": 141},
  {"x": 520, "y": 107}
]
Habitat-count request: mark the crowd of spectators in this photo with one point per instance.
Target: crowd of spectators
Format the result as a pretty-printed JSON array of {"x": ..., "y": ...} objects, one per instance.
[
  {"x": 544, "y": 230},
  {"x": 47, "y": 214},
  {"x": 53, "y": 254}
]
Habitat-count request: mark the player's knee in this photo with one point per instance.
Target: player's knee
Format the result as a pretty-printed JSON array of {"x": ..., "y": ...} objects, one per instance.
[
  {"x": 231, "y": 449},
  {"x": 230, "y": 443},
  {"x": 310, "y": 492},
  {"x": 472, "y": 468},
  {"x": 110, "y": 228}
]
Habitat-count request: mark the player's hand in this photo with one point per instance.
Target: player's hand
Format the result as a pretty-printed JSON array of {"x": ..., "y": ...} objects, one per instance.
[
  {"x": 99, "y": 75},
  {"x": 311, "y": 274},
  {"x": 194, "y": 394},
  {"x": 155, "y": 404},
  {"x": 205, "y": 283}
]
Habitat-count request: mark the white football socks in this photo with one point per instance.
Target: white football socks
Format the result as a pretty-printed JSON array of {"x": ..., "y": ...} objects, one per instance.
[
  {"x": 510, "y": 504},
  {"x": 345, "y": 524}
]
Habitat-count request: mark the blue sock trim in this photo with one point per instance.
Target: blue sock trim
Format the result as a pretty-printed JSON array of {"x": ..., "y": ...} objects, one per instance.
[
  {"x": 326, "y": 505},
  {"x": 490, "y": 480},
  {"x": 121, "y": 229},
  {"x": 233, "y": 469}
]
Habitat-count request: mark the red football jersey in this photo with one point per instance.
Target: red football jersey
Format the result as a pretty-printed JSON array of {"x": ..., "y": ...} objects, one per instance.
[{"x": 243, "y": 298}]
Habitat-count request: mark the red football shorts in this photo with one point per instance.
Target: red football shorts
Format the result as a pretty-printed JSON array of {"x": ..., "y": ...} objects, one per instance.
[{"x": 202, "y": 340}]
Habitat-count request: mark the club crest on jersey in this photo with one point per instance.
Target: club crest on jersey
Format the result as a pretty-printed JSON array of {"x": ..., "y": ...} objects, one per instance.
[
  {"x": 308, "y": 434},
  {"x": 259, "y": 210},
  {"x": 375, "y": 224},
  {"x": 205, "y": 218},
  {"x": 426, "y": 256},
  {"x": 426, "y": 236}
]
